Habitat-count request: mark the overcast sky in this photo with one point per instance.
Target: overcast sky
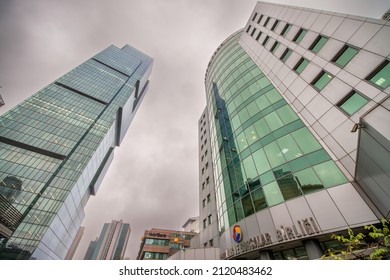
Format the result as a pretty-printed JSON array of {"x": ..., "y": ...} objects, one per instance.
[{"x": 153, "y": 180}]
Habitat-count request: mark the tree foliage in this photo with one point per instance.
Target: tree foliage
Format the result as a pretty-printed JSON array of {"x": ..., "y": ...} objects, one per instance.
[{"x": 373, "y": 245}]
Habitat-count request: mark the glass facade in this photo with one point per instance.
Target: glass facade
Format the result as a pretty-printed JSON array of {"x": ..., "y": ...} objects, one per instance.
[
  {"x": 262, "y": 152},
  {"x": 57, "y": 144}
]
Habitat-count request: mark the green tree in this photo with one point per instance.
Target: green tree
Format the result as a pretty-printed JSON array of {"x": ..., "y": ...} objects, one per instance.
[{"x": 374, "y": 245}]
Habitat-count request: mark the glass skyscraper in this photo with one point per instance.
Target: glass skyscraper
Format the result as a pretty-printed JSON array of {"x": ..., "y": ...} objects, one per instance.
[
  {"x": 111, "y": 244},
  {"x": 56, "y": 146}
]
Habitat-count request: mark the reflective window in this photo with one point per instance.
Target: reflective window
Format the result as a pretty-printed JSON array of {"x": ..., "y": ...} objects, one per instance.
[
  {"x": 301, "y": 65},
  {"x": 265, "y": 40},
  {"x": 286, "y": 29},
  {"x": 261, "y": 16},
  {"x": 275, "y": 25},
  {"x": 273, "y": 194},
  {"x": 322, "y": 80},
  {"x": 353, "y": 102},
  {"x": 381, "y": 76},
  {"x": 254, "y": 16},
  {"x": 344, "y": 56},
  {"x": 329, "y": 174},
  {"x": 266, "y": 21},
  {"x": 286, "y": 54},
  {"x": 274, "y": 47},
  {"x": 318, "y": 43},
  {"x": 298, "y": 38},
  {"x": 258, "y": 36},
  {"x": 253, "y": 32}
]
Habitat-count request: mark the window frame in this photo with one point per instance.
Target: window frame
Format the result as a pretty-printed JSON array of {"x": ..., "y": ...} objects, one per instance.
[
  {"x": 266, "y": 21},
  {"x": 265, "y": 41},
  {"x": 300, "y": 61},
  {"x": 376, "y": 71},
  {"x": 274, "y": 47},
  {"x": 318, "y": 77},
  {"x": 287, "y": 53},
  {"x": 316, "y": 41},
  {"x": 276, "y": 23},
  {"x": 286, "y": 29},
  {"x": 347, "y": 97},
  {"x": 341, "y": 52},
  {"x": 300, "y": 31},
  {"x": 254, "y": 16},
  {"x": 260, "y": 18}
]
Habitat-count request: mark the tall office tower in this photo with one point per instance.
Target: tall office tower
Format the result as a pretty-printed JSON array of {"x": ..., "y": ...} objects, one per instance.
[
  {"x": 287, "y": 99},
  {"x": 56, "y": 146},
  {"x": 111, "y": 244}
]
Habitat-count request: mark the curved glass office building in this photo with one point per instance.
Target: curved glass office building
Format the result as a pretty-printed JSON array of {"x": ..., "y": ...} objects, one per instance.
[{"x": 280, "y": 111}]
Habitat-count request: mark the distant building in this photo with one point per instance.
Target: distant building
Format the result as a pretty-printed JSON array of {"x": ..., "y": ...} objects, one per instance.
[
  {"x": 160, "y": 244},
  {"x": 192, "y": 225},
  {"x": 1, "y": 101},
  {"x": 111, "y": 244},
  {"x": 75, "y": 243}
]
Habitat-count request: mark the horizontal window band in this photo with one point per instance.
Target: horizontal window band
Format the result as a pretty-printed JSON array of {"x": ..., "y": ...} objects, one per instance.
[
  {"x": 81, "y": 93},
  {"x": 112, "y": 68},
  {"x": 31, "y": 148}
]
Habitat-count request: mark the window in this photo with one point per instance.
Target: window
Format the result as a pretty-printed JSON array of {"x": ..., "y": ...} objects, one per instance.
[
  {"x": 318, "y": 43},
  {"x": 207, "y": 180},
  {"x": 249, "y": 28},
  {"x": 211, "y": 243},
  {"x": 301, "y": 65},
  {"x": 254, "y": 16},
  {"x": 344, "y": 55},
  {"x": 204, "y": 203},
  {"x": 352, "y": 102},
  {"x": 209, "y": 219},
  {"x": 205, "y": 153},
  {"x": 202, "y": 170},
  {"x": 204, "y": 224},
  {"x": 208, "y": 198},
  {"x": 286, "y": 54},
  {"x": 381, "y": 75},
  {"x": 274, "y": 47},
  {"x": 260, "y": 18},
  {"x": 253, "y": 32},
  {"x": 265, "y": 40},
  {"x": 322, "y": 80},
  {"x": 205, "y": 244},
  {"x": 203, "y": 184},
  {"x": 274, "y": 25},
  {"x": 258, "y": 36},
  {"x": 202, "y": 158},
  {"x": 286, "y": 29},
  {"x": 266, "y": 22},
  {"x": 298, "y": 38},
  {"x": 207, "y": 165}
]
